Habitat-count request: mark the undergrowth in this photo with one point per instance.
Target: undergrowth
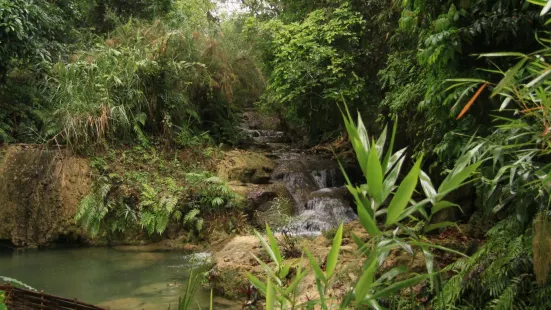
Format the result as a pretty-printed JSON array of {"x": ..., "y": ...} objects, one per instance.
[{"x": 151, "y": 190}]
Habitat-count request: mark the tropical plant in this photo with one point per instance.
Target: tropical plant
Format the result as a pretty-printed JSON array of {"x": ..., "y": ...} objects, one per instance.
[
  {"x": 511, "y": 270},
  {"x": 381, "y": 170},
  {"x": 211, "y": 193}
]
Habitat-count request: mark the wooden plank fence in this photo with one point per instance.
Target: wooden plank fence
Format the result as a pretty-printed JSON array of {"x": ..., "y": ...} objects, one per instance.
[{"x": 21, "y": 299}]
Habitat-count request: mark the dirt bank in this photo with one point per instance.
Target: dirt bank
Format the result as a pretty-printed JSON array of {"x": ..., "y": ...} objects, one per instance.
[{"x": 40, "y": 190}]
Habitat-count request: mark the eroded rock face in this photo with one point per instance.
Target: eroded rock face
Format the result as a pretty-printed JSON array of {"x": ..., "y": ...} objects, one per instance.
[
  {"x": 246, "y": 167},
  {"x": 39, "y": 195}
]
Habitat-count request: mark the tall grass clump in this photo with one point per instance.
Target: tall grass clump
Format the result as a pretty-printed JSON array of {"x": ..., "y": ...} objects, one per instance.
[{"x": 147, "y": 78}]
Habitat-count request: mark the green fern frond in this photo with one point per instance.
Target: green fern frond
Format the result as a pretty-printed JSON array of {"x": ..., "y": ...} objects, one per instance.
[{"x": 191, "y": 215}]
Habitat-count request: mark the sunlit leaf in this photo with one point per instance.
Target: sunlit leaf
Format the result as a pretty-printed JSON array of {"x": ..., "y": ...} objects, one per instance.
[
  {"x": 333, "y": 255},
  {"x": 403, "y": 194}
]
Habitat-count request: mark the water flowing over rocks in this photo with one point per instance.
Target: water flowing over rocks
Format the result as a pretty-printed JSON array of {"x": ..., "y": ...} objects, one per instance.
[{"x": 313, "y": 182}]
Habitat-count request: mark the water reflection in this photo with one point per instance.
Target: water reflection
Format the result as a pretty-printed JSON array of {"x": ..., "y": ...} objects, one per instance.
[{"x": 109, "y": 277}]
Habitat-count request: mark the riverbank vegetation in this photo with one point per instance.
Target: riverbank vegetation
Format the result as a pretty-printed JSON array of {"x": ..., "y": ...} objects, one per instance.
[{"x": 151, "y": 91}]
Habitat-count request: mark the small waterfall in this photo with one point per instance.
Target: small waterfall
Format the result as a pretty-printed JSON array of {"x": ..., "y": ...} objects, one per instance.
[
  {"x": 312, "y": 181},
  {"x": 326, "y": 210}
]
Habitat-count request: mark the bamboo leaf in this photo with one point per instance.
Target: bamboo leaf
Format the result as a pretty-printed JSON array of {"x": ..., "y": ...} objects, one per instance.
[
  {"x": 365, "y": 282},
  {"x": 441, "y": 205},
  {"x": 546, "y": 8},
  {"x": 403, "y": 194},
  {"x": 429, "y": 264},
  {"x": 374, "y": 176},
  {"x": 427, "y": 186},
  {"x": 389, "y": 275},
  {"x": 257, "y": 283},
  {"x": 393, "y": 159},
  {"x": 390, "y": 180},
  {"x": 432, "y": 227},
  {"x": 333, "y": 255},
  {"x": 502, "y": 54},
  {"x": 391, "y": 289},
  {"x": 379, "y": 146},
  {"x": 457, "y": 179},
  {"x": 509, "y": 76},
  {"x": 273, "y": 245},
  {"x": 266, "y": 247},
  {"x": 470, "y": 103},
  {"x": 390, "y": 146},
  {"x": 540, "y": 77},
  {"x": 270, "y": 296},
  {"x": 317, "y": 270},
  {"x": 367, "y": 221}
]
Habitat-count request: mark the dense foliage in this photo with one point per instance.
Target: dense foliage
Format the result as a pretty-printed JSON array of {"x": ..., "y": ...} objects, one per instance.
[
  {"x": 468, "y": 80},
  {"x": 120, "y": 70}
]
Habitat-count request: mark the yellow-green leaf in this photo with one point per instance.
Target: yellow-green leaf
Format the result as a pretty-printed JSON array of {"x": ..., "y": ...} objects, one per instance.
[
  {"x": 333, "y": 255},
  {"x": 403, "y": 194}
]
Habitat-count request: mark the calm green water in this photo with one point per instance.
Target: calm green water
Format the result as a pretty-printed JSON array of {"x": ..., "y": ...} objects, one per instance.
[{"x": 114, "y": 278}]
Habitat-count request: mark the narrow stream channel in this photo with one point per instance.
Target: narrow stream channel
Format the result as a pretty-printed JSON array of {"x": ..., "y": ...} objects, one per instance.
[{"x": 109, "y": 277}]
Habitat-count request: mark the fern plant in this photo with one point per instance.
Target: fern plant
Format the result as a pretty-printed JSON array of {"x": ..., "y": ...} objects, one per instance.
[
  {"x": 211, "y": 193},
  {"x": 94, "y": 207}
]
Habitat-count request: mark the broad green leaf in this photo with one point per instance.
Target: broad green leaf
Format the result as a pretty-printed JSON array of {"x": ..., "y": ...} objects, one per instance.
[
  {"x": 333, "y": 255},
  {"x": 267, "y": 269},
  {"x": 379, "y": 146},
  {"x": 390, "y": 146},
  {"x": 266, "y": 247},
  {"x": 429, "y": 263},
  {"x": 546, "y": 8},
  {"x": 374, "y": 176},
  {"x": 432, "y": 227},
  {"x": 394, "y": 158},
  {"x": 539, "y": 78},
  {"x": 257, "y": 283},
  {"x": 389, "y": 275},
  {"x": 509, "y": 77},
  {"x": 363, "y": 286},
  {"x": 432, "y": 245},
  {"x": 427, "y": 186},
  {"x": 284, "y": 271},
  {"x": 317, "y": 270},
  {"x": 502, "y": 54},
  {"x": 270, "y": 296},
  {"x": 441, "y": 205},
  {"x": 505, "y": 103},
  {"x": 391, "y": 178},
  {"x": 391, "y": 289},
  {"x": 403, "y": 194},
  {"x": 367, "y": 221},
  {"x": 273, "y": 245},
  {"x": 457, "y": 179},
  {"x": 362, "y": 134}
]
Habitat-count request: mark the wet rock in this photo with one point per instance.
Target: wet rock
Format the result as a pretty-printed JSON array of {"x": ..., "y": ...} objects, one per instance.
[
  {"x": 246, "y": 167},
  {"x": 256, "y": 120},
  {"x": 341, "y": 193},
  {"x": 40, "y": 191},
  {"x": 233, "y": 261}
]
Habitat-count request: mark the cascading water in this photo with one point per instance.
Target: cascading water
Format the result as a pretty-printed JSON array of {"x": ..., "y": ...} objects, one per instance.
[{"x": 315, "y": 183}]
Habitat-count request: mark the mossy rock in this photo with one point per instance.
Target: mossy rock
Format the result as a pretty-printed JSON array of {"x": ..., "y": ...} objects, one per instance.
[{"x": 245, "y": 167}]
